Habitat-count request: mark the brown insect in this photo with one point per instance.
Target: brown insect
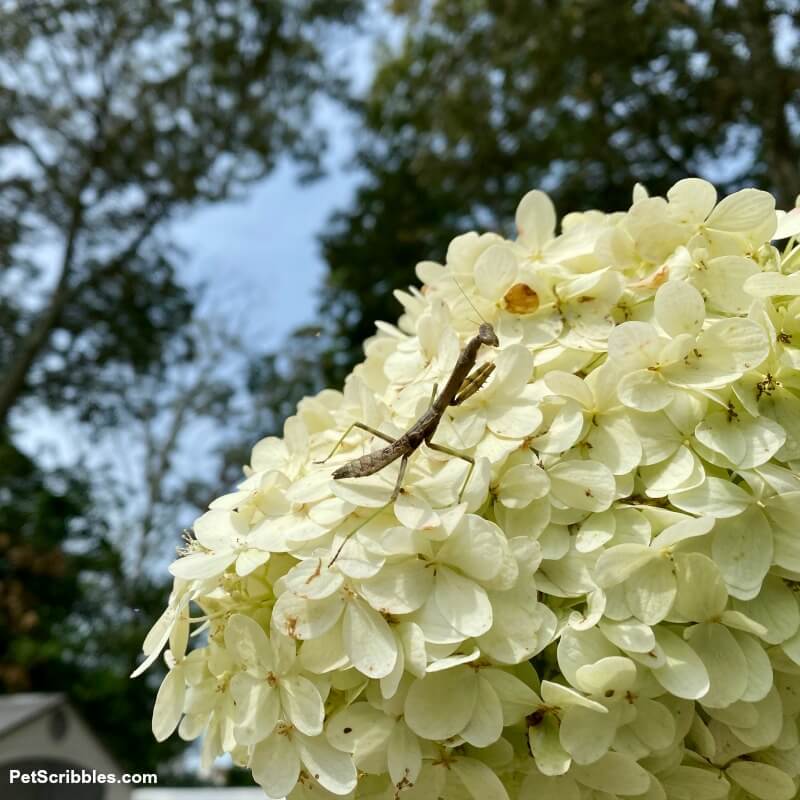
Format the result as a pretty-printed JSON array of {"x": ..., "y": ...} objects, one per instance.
[{"x": 462, "y": 384}]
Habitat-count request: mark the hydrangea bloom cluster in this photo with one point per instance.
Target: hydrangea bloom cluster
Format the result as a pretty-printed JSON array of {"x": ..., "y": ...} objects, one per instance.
[{"x": 612, "y": 609}]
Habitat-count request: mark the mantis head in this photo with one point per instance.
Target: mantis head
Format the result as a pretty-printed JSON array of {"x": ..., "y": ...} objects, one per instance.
[{"x": 487, "y": 335}]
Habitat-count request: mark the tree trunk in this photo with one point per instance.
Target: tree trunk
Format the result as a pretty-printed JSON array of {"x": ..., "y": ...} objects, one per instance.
[{"x": 13, "y": 382}]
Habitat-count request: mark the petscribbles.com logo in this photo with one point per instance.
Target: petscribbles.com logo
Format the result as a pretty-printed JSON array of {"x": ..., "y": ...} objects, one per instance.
[{"x": 73, "y": 776}]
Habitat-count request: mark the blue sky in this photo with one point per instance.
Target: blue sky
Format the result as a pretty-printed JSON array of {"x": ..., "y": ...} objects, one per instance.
[{"x": 259, "y": 256}]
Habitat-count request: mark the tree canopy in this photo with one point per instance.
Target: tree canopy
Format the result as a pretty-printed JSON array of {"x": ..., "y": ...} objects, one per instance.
[
  {"x": 481, "y": 101},
  {"x": 115, "y": 117}
]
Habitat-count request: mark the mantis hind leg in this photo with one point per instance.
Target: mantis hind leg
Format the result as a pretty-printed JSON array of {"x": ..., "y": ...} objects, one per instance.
[
  {"x": 362, "y": 427},
  {"x": 440, "y": 448},
  {"x": 397, "y": 489}
]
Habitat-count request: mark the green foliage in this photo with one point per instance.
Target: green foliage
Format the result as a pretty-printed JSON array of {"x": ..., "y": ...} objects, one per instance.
[
  {"x": 482, "y": 101},
  {"x": 65, "y": 619},
  {"x": 114, "y": 118}
]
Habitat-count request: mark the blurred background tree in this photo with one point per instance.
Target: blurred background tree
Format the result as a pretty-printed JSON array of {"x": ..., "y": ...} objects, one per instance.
[
  {"x": 481, "y": 101},
  {"x": 114, "y": 118},
  {"x": 117, "y": 118}
]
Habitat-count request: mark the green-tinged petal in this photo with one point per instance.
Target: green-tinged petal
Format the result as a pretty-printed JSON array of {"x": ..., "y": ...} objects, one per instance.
[
  {"x": 683, "y": 673},
  {"x": 694, "y": 783},
  {"x": 762, "y": 780},
  {"x": 587, "y": 735},
  {"x": 441, "y": 704},
  {"x": 615, "y": 773},
  {"x": 479, "y": 779},
  {"x": 724, "y": 661}
]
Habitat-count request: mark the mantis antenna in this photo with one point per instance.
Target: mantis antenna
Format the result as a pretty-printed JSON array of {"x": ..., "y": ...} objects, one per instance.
[{"x": 466, "y": 296}]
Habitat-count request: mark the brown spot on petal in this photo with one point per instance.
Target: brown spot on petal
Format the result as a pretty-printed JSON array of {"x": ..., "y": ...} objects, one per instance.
[{"x": 521, "y": 299}]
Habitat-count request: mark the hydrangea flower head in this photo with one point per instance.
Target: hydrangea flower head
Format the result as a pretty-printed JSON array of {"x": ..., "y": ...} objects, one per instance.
[{"x": 610, "y": 608}]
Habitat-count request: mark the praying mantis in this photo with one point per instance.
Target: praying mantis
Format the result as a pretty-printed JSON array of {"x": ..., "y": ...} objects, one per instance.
[{"x": 462, "y": 384}]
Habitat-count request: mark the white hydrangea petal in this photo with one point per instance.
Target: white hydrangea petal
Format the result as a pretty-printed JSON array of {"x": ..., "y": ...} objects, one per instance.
[
  {"x": 670, "y": 475},
  {"x": 609, "y": 676},
  {"x": 615, "y": 443},
  {"x": 368, "y": 640},
  {"x": 762, "y": 780},
  {"x": 723, "y": 281},
  {"x": 586, "y": 485},
  {"x": 302, "y": 703},
  {"x": 679, "y": 308},
  {"x": 324, "y": 653},
  {"x": 486, "y": 724},
  {"x": 687, "y": 528},
  {"x": 555, "y": 694},
  {"x": 683, "y": 673},
  {"x": 247, "y": 642},
  {"x": 306, "y": 619},
  {"x": 275, "y": 765},
  {"x": 630, "y": 635},
  {"x": 168, "y": 706},
  {"x": 521, "y": 485},
  {"x": 462, "y": 602},
  {"x": 415, "y": 513},
  {"x": 404, "y": 755},
  {"x": 768, "y": 725},
  {"x": 513, "y": 420},
  {"x": 771, "y": 284},
  {"x": 249, "y": 560},
  {"x": 535, "y": 220},
  {"x": 477, "y": 549},
  {"x": 495, "y": 271},
  {"x": 199, "y": 566},
  {"x": 714, "y": 497},
  {"x": 595, "y": 531},
  {"x": 695, "y": 197},
  {"x": 399, "y": 588},
  {"x": 216, "y": 530},
  {"x": 412, "y": 639},
  {"x": 722, "y": 433},
  {"x": 435, "y": 628},
  {"x": 258, "y": 708},
  {"x": 334, "y": 770},
  {"x": 646, "y": 391},
  {"x": 635, "y": 344},
  {"x": 619, "y": 563},
  {"x": 441, "y": 704},
  {"x": 563, "y": 430},
  {"x": 742, "y": 211}
]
